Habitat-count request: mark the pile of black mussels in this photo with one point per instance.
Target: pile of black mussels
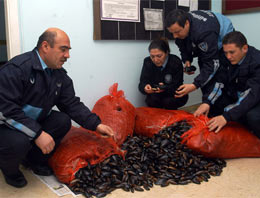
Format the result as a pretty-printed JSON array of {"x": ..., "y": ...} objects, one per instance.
[{"x": 160, "y": 160}]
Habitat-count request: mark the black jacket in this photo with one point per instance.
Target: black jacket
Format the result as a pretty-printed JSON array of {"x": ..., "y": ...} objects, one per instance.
[
  {"x": 28, "y": 93},
  {"x": 206, "y": 29},
  {"x": 171, "y": 75},
  {"x": 241, "y": 83}
]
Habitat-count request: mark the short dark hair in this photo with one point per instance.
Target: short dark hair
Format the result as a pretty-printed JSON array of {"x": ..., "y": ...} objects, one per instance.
[
  {"x": 235, "y": 37},
  {"x": 48, "y": 36},
  {"x": 161, "y": 44},
  {"x": 179, "y": 16}
]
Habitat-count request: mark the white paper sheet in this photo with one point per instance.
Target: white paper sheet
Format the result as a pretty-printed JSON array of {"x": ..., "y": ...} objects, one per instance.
[
  {"x": 185, "y": 3},
  {"x": 153, "y": 19},
  {"x": 118, "y": 10},
  {"x": 57, "y": 187},
  {"x": 194, "y": 5}
]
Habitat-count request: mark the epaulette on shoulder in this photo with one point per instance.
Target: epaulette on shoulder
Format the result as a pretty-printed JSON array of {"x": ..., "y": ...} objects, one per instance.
[
  {"x": 20, "y": 59},
  {"x": 147, "y": 59},
  {"x": 174, "y": 56},
  {"x": 255, "y": 55}
]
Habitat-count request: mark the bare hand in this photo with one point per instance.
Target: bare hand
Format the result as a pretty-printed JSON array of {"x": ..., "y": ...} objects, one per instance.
[
  {"x": 45, "y": 142},
  {"x": 158, "y": 89},
  {"x": 202, "y": 109},
  {"x": 148, "y": 89},
  {"x": 105, "y": 130},
  {"x": 188, "y": 64},
  {"x": 217, "y": 123},
  {"x": 184, "y": 90}
]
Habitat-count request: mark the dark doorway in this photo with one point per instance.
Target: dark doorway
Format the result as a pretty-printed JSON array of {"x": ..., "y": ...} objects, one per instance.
[{"x": 3, "y": 47}]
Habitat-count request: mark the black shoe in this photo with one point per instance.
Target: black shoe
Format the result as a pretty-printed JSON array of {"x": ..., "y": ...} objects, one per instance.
[
  {"x": 42, "y": 170},
  {"x": 17, "y": 180}
]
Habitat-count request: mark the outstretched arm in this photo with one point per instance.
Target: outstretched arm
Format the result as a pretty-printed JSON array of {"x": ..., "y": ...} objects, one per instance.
[{"x": 105, "y": 130}]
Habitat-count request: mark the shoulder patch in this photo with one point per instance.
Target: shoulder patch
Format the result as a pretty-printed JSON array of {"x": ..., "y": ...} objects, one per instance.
[
  {"x": 203, "y": 46},
  {"x": 168, "y": 78}
]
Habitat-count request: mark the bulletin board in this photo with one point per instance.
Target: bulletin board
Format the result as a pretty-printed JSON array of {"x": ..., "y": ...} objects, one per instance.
[
  {"x": 121, "y": 30},
  {"x": 240, "y": 6}
]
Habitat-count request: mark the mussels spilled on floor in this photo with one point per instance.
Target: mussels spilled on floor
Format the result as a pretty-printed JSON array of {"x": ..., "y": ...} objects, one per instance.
[{"x": 160, "y": 160}]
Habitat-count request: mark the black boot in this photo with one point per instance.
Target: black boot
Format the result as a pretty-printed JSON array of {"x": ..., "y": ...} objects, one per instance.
[
  {"x": 17, "y": 180},
  {"x": 42, "y": 169}
]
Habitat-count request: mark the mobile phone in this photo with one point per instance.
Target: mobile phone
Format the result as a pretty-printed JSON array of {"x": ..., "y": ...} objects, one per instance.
[
  {"x": 190, "y": 69},
  {"x": 161, "y": 87}
]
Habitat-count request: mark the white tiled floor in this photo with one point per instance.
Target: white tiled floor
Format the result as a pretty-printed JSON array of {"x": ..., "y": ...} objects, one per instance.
[{"x": 240, "y": 179}]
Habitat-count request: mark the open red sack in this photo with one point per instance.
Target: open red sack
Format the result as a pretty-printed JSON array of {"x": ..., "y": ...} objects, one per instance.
[
  {"x": 79, "y": 147},
  {"x": 233, "y": 141},
  {"x": 117, "y": 112},
  {"x": 150, "y": 121}
]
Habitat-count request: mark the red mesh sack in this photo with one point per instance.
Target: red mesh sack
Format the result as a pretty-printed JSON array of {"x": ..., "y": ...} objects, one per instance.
[
  {"x": 117, "y": 112},
  {"x": 233, "y": 141},
  {"x": 79, "y": 147},
  {"x": 150, "y": 121}
]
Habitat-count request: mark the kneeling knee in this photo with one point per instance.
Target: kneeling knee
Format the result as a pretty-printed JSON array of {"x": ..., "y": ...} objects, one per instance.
[
  {"x": 20, "y": 146},
  {"x": 253, "y": 121},
  {"x": 65, "y": 121}
]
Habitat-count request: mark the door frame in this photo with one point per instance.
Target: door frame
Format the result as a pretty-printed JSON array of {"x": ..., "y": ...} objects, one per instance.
[{"x": 12, "y": 27}]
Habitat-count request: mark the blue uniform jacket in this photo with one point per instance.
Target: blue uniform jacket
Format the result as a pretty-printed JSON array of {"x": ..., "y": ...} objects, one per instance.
[
  {"x": 207, "y": 30},
  {"x": 28, "y": 93},
  {"x": 241, "y": 83}
]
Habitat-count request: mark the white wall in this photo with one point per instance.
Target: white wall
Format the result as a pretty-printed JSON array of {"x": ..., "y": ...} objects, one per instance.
[
  {"x": 94, "y": 65},
  {"x": 247, "y": 23}
]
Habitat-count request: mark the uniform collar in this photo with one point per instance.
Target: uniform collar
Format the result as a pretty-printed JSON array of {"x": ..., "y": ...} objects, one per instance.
[
  {"x": 165, "y": 62},
  {"x": 190, "y": 21},
  {"x": 36, "y": 60},
  {"x": 242, "y": 60},
  {"x": 44, "y": 66}
]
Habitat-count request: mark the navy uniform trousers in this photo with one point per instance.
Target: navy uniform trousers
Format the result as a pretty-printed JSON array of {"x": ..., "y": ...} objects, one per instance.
[{"x": 15, "y": 146}]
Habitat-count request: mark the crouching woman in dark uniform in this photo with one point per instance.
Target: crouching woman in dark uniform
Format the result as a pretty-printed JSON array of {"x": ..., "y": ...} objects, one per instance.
[{"x": 162, "y": 74}]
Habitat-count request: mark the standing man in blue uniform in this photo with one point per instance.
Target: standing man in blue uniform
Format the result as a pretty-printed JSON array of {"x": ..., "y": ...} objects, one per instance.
[
  {"x": 198, "y": 34},
  {"x": 31, "y": 84},
  {"x": 235, "y": 95}
]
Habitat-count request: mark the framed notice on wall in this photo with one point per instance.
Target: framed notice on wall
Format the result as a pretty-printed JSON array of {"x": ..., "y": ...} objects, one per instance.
[
  {"x": 118, "y": 10},
  {"x": 137, "y": 19},
  {"x": 240, "y": 6}
]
